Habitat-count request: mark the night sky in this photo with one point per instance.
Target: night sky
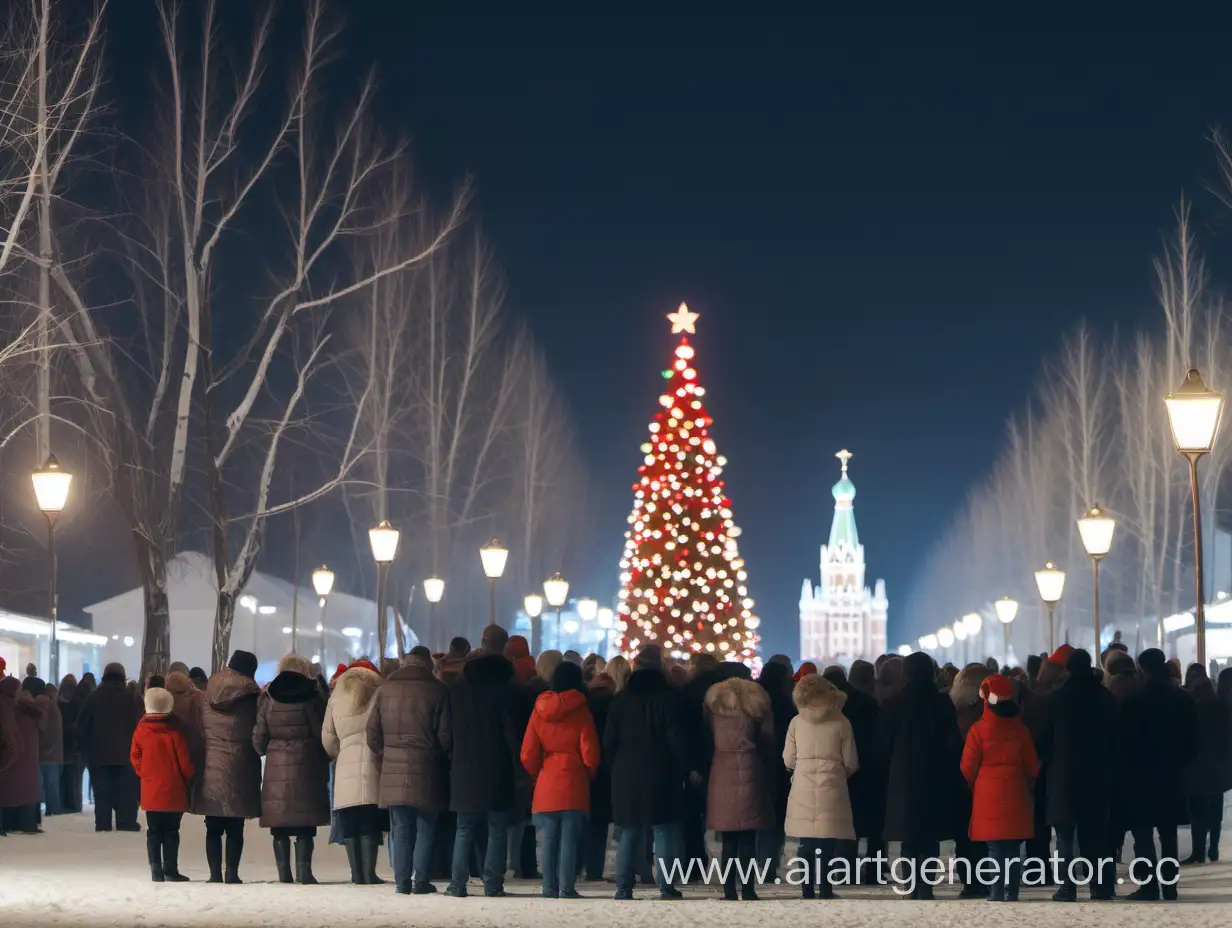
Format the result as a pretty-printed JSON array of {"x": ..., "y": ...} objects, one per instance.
[{"x": 885, "y": 223}]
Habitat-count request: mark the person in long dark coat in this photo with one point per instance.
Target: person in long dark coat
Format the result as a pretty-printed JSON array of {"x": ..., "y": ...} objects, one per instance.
[
  {"x": 105, "y": 726},
  {"x": 1048, "y": 679},
  {"x": 1161, "y": 732},
  {"x": 1206, "y": 777},
  {"x": 775, "y": 679},
  {"x": 51, "y": 749},
  {"x": 486, "y": 711},
  {"x": 228, "y": 789},
  {"x": 919, "y": 743},
  {"x": 295, "y": 789},
  {"x": 647, "y": 755},
  {"x": 1077, "y": 742},
  {"x": 19, "y": 787},
  {"x": 866, "y": 787},
  {"x": 74, "y": 766},
  {"x": 602, "y": 690},
  {"x": 704, "y": 673}
]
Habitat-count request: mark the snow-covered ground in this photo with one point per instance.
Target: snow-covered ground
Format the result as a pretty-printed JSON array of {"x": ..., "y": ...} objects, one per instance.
[{"x": 72, "y": 876}]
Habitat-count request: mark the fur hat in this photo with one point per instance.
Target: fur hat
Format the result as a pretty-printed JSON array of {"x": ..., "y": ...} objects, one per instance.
[
  {"x": 158, "y": 701},
  {"x": 997, "y": 689},
  {"x": 294, "y": 663},
  {"x": 816, "y": 697},
  {"x": 243, "y": 662},
  {"x": 737, "y": 696}
]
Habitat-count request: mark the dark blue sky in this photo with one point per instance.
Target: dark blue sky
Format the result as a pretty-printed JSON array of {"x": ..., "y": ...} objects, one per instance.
[{"x": 885, "y": 223}]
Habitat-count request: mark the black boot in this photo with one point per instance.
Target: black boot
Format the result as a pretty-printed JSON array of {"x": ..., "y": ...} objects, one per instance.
[
  {"x": 235, "y": 850},
  {"x": 369, "y": 850},
  {"x": 171, "y": 858},
  {"x": 213, "y": 856},
  {"x": 303, "y": 861},
  {"x": 806, "y": 890},
  {"x": 282, "y": 858},
  {"x": 731, "y": 890},
  {"x": 154, "y": 851},
  {"x": 357, "y": 867}
]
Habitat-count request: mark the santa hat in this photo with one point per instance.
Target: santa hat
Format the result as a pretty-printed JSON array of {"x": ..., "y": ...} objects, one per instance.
[
  {"x": 364, "y": 663},
  {"x": 806, "y": 669},
  {"x": 1061, "y": 655},
  {"x": 997, "y": 688}
]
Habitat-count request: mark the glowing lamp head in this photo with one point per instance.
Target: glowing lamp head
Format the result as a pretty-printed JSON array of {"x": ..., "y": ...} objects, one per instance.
[
  {"x": 928, "y": 642},
  {"x": 384, "y": 541},
  {"x": 973, "y": 622},
  {"x": 494, "y": 555},
  {"x": 1050, "y": 581},
  {"x": 1007, "y": 609},
  {"x": 51, "y": 485},
  {"x": 587, "y": 609},
  {"x": 945, "y": 637},
  {"x": 323, "y": 581},
  {"x": 1194, "y": 411},
  {"x": 1096, "y": 529},
  {"x": 556, "y": 589},
  {"x": 960, "y": 630},
  {"x": 533, "y": 604},
  {"x": 434, "y": 589},
  {"x": 605, "y": 617},
  {"x": 570, "y": 626}
]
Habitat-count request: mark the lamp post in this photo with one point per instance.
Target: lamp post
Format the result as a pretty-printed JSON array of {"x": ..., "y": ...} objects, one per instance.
[
  {"x": 323, "y": 584},
  {"x": 973, "y": 622},
  {"x": 1194, "y": 411},
  {"x": 1007, "y": 610},
  {"x": 533, "y": 604},
  {"x": 1096, "y": 529},
  {"x": 493, "y": 555},
  {"x": 51, "y": 485},
  {"x": 434, "y": 592},
  {"x": 556, "y": 590},
  {"x": 1050, "y": 582},
  {"x": 384, "y": 541},
  {"x": 606, "y": 619}
]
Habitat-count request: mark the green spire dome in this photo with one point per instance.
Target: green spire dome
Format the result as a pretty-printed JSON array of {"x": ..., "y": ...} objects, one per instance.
[{"x": 843, "y": 528}]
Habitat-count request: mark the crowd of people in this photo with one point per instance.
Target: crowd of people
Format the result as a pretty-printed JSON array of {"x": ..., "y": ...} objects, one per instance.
[{"x": 448, "y": 759}]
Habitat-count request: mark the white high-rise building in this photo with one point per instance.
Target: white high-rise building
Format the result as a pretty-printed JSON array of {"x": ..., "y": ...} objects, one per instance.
[{"x": 842, "y": 619}]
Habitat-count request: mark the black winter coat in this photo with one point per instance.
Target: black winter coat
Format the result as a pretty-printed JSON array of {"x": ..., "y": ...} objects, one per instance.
[
  {"x": 295, "y": 790},
  {"x": 485, "y": 706},
  {"x": 693, "y": 721},
  {"x": 599, "y": 700},
  {"x": 1078, "y": 748},
  {"x": 107, "y": 722},
  {"x": 921, "y": 748},
  {"x": 411, "y": 736},
  {"x": 229, "y": 782},
  {"x": 1161, "y": 737},
  {"x": 646, "y": 751},
  {"x": 866, "y": 787},
  {"x": 1210, "y": 772}
]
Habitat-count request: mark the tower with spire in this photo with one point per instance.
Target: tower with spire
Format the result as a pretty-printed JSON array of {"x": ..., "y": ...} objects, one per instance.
[{"x": 842, "y": 619}]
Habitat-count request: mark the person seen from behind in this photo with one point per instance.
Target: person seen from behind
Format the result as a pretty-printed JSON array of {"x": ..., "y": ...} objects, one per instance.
[{"x": 162, "y": 761}]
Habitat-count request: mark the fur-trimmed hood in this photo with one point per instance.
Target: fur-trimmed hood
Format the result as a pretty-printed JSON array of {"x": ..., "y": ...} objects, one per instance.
[
  {"x": 354, "y": 691},
  {"x": 817, "y": 698},
  {"x": 738, "y": 697},
  {"x": 965, "y": 690}
]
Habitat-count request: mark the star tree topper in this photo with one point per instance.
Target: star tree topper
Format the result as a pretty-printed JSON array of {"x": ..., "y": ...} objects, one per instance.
[{"x": 682, "y": 320}]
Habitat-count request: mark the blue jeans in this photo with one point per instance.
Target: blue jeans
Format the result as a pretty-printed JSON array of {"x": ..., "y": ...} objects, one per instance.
[
  {"x": 49, "y": 780},
  {"x": 626, "y": 855},
  {"x": 469, "y": 825},
  {"x": 561, "y": 837},
  {"x": 410, "y": 845},
  {"x": 1009, "y": 878}
]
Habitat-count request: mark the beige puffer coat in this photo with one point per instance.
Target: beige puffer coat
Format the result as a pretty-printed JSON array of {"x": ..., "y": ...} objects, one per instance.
[
  {"x": 357, "y": 779},
  {"x": 821, "y": 753}
]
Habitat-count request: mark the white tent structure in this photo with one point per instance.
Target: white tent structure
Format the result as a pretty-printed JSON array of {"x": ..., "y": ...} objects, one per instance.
[{"x": 344, "y": 628}]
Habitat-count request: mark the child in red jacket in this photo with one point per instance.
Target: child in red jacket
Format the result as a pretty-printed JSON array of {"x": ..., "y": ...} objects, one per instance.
[
  {"x": 161, "y": 758},
  {"x": 1000, "y": 765}
]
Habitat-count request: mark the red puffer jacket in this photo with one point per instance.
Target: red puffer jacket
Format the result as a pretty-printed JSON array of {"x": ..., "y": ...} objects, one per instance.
[
  {"x": 1000, "y": 763},
  {"x": 561, "y": 751},
  {"x": 161, "y": 758}
]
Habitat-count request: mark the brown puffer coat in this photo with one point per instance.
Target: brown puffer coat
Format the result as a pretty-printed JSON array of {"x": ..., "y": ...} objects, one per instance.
[
  {"x": 20, "y": 784},
  {"x": 742, "y": 777},
  {"x": 51, "y": 732},
  {"x": 410, "y": 736},
  {"x": 295, "y": 790},
  {"x": 189, "y": 702},
  {"x": 229, "y": 782}
]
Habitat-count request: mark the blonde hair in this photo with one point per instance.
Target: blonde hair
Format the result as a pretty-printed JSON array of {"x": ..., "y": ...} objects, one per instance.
[
  {"x": 547, "y": 664},
  {"x": 618, "y": 669},
  {"x": 295, "y": 663}
]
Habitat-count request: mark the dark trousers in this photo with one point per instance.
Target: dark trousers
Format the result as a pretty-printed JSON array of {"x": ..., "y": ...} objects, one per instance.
[
  {"x": 693, "y": 828},
  {"x": 739, "y": 852},
  {"x": 817, "y": 854},
  {"x": 968, "y": 855},
  {"x": 116, "y": 790},
  {"x": 920, "y": 851},
  {"x": 19, "y": 818},
  {"x": 1206, "y": 816},
  {"x": 1085, "y": 841},
  {"x": 594, "y": 855},
  {"x": 411, "y": 839},
  {"x": 70, "y": 783},
  {"x": 1008, "y": 875},
  {"x": 162, "y": 840},
  {"x": 471, "y": 825},
  {"x": 1144, "y": 848}
]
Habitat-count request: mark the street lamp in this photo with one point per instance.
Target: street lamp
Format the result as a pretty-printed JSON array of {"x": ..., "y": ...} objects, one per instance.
[
  {"x": 384, "y": 541},
  {"x": 928, "y": 642},
  {"x": 556, "y": 589},
  {"x": 323, "y": 584},
  {"x": 51, "y": 485},
  {"x": 973, "y": 622},
  {"x": 1194, "y": 411},
  {"x": 1007, "y": 610},
  {"x": 494, "y": 555},
  {"x": 904, "y": 650},
  {"x": 1050, "y": 582},
  {"x": 1096, "y": 529},
  {"x": 606, "y": 619},
  {"x": 434, "y": 592},
  {"x": 587, "y": 609},
  {"x": 533, "y": 604},
  {"x": 945, "y": 638}
]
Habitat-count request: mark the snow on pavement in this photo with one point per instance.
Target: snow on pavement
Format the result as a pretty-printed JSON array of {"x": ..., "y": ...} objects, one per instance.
[{"x": 73, "y": 876}]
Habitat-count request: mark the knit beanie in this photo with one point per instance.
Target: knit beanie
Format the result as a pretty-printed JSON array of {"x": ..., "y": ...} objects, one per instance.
[{"x": 243, "y": 662}]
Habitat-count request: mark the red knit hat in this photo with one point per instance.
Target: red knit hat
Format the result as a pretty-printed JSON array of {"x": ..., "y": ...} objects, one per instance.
[
  {"x": 806, "y": 669},
  {"x": 1061, "y": 655},
  {"x": 340, "y": 670},
  {"x": 364, "y": 663},
  {"x": 997, "y": 688}
]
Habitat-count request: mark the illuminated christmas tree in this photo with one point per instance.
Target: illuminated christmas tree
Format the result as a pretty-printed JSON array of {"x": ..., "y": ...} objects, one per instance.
[{"x": 683, "y": 584}]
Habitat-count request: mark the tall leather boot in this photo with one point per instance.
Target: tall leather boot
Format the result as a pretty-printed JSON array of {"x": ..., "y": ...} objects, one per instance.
[
  {"x": 282, "y": 858},
  {"x": 303, "y": 861},
  {"x": 171, "y": 858},
  {"x": 369, "y": 851},
  {"x": 235, "y": 850},
  {"x": 154, "y": 851},
  {"x": 213, "y": 856},
  {"x": 357, "y": 867}
]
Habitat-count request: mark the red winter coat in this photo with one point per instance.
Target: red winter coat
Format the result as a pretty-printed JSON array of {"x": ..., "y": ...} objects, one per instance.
[
  {"x": 1000, "y": 765},
  {"x": 561, "y": 751},
  {"x": 161, "y": 758}
]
